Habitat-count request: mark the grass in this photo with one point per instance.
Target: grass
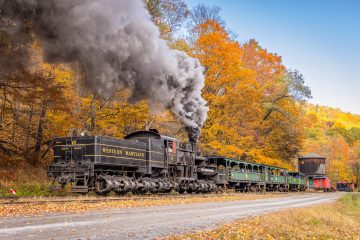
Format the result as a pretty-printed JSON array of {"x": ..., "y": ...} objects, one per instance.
[
  {"x": 28, "y": 181},
  {"x": 40, "y": 189},
  {"x": 339, "y": 220}
]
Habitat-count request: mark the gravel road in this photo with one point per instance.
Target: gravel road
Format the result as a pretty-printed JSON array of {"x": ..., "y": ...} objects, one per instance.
[{"x": 149, "y": 222}]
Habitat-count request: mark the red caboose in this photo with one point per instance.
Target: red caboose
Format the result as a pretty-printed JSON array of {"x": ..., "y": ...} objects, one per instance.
[{"x": 322, "y": 183}]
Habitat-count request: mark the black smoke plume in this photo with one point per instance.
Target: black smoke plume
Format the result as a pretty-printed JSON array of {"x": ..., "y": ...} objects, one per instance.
[{"x": 118, "y": 46}]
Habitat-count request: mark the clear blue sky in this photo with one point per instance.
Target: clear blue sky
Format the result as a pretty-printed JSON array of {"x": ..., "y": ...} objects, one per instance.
[{"x": 320, "y": 38}]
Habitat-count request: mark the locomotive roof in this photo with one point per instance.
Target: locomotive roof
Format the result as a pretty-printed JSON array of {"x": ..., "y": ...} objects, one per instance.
[
  {"x": 311, "y": 155},
  {"x": 242, "y": 161},
  {"x": 150, "y": 134},
  {"x": 301, "y": 174}
]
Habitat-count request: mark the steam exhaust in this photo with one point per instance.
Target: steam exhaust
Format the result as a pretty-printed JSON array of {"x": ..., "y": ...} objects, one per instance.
[{"x": 118, "y": 47}]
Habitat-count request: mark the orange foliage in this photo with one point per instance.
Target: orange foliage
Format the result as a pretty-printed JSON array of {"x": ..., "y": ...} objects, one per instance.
[
  {"x": 335, "y": 135},
  {"x": 252, "y": 114}
]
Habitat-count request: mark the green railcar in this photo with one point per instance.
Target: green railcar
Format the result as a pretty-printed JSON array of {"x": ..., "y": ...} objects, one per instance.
[
  {"x": 297, "y": 181},
  {"x": 240, "y": 175},
  {"x": 276, "y": 178},
  {"x": 294, "y": 180},
  {"x": 248, "y": 176}
]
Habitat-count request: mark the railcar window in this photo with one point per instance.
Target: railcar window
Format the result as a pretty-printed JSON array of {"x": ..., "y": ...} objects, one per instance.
[
  {"x": 236, "y": 168},
  {"x": 242, "y": 167},
  {"x": 221, "y": 167}
]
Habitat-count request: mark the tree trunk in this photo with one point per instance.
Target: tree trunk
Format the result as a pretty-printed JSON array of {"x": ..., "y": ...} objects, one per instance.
[
  {"x": 357, "y": 167},
  {"x": 2, "y": 114},
  {"x": 92, "y": 114},
  {"x": 15, "y": 118},
  {"x": 39, "y": 134},
  {"x": 28, "y": 130},
  {"x": 3, "y": 104}
]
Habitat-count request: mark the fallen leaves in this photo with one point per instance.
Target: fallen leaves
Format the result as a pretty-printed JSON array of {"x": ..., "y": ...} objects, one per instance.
[
  {"x": 75, "y": 207},
  {"x": 340, "y": 220}
]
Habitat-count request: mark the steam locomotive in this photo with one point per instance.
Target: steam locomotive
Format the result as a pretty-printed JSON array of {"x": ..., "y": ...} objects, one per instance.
[{"x": 146, "y": 161}]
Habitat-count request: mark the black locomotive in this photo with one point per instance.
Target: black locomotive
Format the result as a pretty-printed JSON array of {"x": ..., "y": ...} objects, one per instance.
[{"x": 146, "y": 161}]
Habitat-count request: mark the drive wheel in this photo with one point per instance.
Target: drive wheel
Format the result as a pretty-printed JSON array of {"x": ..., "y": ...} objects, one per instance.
[{"x": 101, "y": 186}]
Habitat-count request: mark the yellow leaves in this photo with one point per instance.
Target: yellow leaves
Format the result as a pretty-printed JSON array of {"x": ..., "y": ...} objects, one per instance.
[
  {"x": 259, "y": 157},
  {"x": 181, "y": 45}
]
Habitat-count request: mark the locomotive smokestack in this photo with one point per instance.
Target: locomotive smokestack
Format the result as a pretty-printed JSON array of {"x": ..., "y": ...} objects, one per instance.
[
  {"x": 119, "y": 47},
  {"x": 192, "y": 140},
  {"x": 193, "y": 134}
]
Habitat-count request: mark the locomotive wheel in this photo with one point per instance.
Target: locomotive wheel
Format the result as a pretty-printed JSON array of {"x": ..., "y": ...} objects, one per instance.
[
  {"x": 101, "y": 186},
  {"x": 98, "y": 187},
  {"x": 143, "y": 186},
  {"x": 194, "y": 186}
]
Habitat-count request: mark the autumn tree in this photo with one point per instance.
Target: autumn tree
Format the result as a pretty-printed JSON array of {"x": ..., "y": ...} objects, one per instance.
[
  {"x": 230, "y": 89},
  {"x": 168, "y": 15},
  {"x": 30, "y": 88},
  {"x": 280, "y": 131}
]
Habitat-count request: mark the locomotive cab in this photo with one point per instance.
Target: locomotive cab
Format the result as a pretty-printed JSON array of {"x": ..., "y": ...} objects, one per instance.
[{"x": 178, "y": 159}]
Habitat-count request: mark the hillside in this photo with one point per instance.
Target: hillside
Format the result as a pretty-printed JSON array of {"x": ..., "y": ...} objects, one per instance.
[{"x": 336, "y": 135}]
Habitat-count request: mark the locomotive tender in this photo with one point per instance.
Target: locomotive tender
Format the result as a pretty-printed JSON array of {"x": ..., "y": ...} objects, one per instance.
[{"x": 146, "y": 161}]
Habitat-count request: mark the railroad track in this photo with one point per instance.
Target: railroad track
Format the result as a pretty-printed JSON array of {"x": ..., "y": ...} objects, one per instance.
[{"x": 19, "y": 201}]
